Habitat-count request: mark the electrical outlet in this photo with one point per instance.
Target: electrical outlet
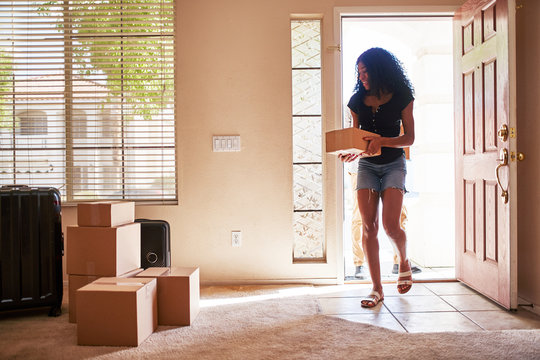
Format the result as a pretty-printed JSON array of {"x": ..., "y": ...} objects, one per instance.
[{"x": 236, "y": 238}]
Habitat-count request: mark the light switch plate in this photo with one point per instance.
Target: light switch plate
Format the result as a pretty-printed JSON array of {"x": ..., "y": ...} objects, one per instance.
[{"x": 226, "y": 143}]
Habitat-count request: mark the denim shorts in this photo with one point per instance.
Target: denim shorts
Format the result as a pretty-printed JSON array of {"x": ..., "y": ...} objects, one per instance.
[{"x": 379, "y": 177}]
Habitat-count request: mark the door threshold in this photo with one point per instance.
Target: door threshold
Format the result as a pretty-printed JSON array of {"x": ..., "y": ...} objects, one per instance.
[
  {"x": 427, "y": 274},
  {"x": 418, "y": 281}
]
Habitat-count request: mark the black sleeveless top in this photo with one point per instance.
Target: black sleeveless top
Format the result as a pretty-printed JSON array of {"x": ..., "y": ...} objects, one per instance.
[{"x": 385, "y": 121}]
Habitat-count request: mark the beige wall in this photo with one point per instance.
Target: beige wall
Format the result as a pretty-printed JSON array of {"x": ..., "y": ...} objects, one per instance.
[
  {"x": 234, "y": 78},
  {"x": 528, "y": 131}
]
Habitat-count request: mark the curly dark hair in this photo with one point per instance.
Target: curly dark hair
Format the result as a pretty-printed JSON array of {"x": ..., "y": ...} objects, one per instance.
[{"x": 385, "y": 73}]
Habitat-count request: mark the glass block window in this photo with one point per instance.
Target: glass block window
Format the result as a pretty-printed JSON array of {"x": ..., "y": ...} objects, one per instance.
[{"x": 308, "y": 217}]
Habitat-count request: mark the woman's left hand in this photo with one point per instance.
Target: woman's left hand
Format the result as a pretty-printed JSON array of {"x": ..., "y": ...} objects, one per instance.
[
  {"x": 347, "y": 157},
  {"x": 374, "y": 145}
]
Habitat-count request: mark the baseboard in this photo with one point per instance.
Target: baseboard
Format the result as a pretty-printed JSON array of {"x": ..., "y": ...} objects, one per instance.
[{"x": 529, "y": 306}]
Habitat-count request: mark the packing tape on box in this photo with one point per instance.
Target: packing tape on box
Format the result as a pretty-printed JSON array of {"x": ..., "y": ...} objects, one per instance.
[
  {"x": 94, "y": 212},
  {"x": 119, "y": 283},
  {"x": 90, "y": 268},
  {"x": 148, "y": 292}
]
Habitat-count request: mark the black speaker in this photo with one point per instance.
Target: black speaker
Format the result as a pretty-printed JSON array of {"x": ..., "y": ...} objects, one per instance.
[{"x": 155, "y": 243}]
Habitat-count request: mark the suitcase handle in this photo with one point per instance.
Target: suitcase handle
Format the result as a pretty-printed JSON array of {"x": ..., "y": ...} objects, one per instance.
[{"x": 14, "y": 186}]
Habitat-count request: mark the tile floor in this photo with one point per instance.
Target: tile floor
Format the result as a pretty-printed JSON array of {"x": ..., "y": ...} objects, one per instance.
[{"x": 427, "y": 307}]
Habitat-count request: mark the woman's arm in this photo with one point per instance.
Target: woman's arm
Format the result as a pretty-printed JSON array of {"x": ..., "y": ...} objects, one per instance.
[{"x": 404, "y": 140}]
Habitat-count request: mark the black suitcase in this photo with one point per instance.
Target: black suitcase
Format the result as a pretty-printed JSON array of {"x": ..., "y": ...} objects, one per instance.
[
  {"x": 155, "y": 243},
  {"x": 31, "y": 248}
]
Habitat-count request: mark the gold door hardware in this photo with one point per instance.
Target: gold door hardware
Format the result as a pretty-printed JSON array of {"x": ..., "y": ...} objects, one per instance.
[
  {"x": 503, "y": 158},
  {"x": 517, "y": 156},
  {"x": 503, "y": 132},
  {"x": 335, "y": 47}
]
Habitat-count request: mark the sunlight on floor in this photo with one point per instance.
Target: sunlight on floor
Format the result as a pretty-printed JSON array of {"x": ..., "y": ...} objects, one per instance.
[
  {"x": 272, "y": 292},
  {"x": 237, "y": 297}
]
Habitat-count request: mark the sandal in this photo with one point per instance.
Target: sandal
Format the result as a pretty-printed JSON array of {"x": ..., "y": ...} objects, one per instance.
[
  {"x": 371, "y": 300},
  {"x": 404, "y": 285}
]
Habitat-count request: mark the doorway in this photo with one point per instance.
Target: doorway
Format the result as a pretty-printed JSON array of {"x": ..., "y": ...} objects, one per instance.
[{"x": 424, "y": 45}]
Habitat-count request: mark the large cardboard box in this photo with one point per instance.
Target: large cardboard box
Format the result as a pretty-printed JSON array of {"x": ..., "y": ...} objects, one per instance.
[
  {"x": 348, "y": 141},
  {"x": 75, "y": 282},
  {"x": 105, "y": 213},
  {"x": 104, "y": 251},
  {"x": 116, "y": 311},
  {"x": 178, "y": 294}
]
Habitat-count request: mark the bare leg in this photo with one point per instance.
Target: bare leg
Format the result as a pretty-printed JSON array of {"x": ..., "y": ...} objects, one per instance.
[
  {"x": 392, "y": 200},
  {"x": 368, "y": 204}
]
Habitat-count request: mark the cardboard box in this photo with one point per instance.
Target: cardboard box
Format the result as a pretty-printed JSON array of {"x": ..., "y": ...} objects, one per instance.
[
  {"x": 178, "y": 294},
  {"x": 348, "y": 141},
  {"x": 116, "y": 311},
  {"x": 105, "y": 213},
  {"x": 76, "y": 282},
  {"x": 104, "y": 251}
]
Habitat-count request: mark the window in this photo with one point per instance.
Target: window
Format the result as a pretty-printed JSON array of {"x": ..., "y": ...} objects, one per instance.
[
  {"x": 307, "y": 141},
  {"x": 32, "y": 122},
  {"x": 78, "y": 124},
  {"x": 92, "y": 82}
]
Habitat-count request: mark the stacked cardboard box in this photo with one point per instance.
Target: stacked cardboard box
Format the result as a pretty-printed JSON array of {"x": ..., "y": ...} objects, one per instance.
[
  {"x": 78, "y": 281},
  {"x": 116, "y": 311},
  {"x": 105, "y": 242},
  {"x": 177, "y": 293},
  {"x": 106, "y": 246},
  {"x": 112, "y": 299}
]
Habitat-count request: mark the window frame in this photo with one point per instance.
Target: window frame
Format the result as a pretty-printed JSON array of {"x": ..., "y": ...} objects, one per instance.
[{"x": 306, "y": 239}]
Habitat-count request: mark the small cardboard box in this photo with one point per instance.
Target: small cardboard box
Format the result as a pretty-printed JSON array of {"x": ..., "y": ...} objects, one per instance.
[
  {"x": 104, "y": 251},
  {"x": 178, "y": 294},
  {"x": 116, "y": 311},
  {"x": 76, "y": 282},
  {"x": 348, "y": 141},
  {"x": 105, "y": 213}
]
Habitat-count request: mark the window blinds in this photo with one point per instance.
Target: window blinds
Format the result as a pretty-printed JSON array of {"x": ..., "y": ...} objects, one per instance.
[{"x": 87, "y": 98}]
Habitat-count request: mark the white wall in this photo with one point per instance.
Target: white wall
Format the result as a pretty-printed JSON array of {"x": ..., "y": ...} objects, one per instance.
[{"x": 234, "y": 78}]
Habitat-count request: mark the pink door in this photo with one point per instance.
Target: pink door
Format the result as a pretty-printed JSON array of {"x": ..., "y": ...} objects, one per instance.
[{"x": 486, "y": 173}]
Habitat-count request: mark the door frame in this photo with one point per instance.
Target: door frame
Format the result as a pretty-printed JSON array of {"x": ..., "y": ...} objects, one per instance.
[{"x": 339, "y": 12}]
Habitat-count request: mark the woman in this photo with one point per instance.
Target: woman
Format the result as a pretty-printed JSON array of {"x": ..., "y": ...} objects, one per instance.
[{"x": 382, "y": 103}]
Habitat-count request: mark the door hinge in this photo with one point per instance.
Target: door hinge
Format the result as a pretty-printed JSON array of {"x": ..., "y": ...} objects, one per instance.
[{"x": 335, "y": 47}]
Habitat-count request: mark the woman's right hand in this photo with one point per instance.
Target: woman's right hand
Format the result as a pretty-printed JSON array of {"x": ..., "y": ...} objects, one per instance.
[{"x": 347, "y": 157}]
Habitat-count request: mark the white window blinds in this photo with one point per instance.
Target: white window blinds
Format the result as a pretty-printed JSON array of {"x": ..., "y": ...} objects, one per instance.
[{"x": 87, "y": 98}]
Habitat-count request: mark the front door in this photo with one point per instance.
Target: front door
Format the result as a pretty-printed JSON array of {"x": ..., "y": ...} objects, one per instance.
[{"x": 485, "y": 139}]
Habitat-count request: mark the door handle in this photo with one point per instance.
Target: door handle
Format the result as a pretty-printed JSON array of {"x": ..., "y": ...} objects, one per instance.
[{"x": 503, "y": 158}]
